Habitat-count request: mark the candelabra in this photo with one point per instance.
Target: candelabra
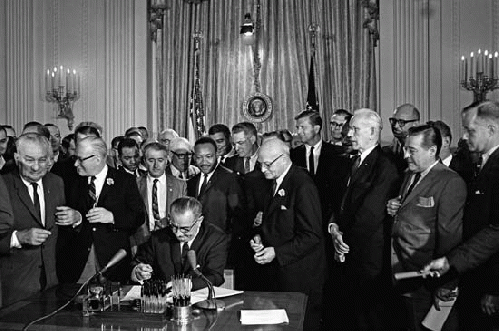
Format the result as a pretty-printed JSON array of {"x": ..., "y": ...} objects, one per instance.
[
  {"x": 480, "y": 74},
  {"x": 63, "y": 87}
]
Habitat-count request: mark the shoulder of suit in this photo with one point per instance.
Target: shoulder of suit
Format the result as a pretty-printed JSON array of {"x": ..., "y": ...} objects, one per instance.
[
  {"x": 212, "y": 230},
  {"x": 224, "y": 169}
]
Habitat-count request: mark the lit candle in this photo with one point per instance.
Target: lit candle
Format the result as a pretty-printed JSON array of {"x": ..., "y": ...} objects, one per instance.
[
  {"x": 47, "y": 80},
  {"x": 74, "y": 81},
  {"x": 486, "y": 63},
  {"x": 490, "y": 72},
  {"x": 61, "y": 71},
  {"x": 53, "y": 80},
  {"x": 479, "y": 67},
  {"x": 67, "y": 81},
  {"x": 472, "y": 66},
  {"x": 496, "y": 65},
  {"x": 463, "y": 68}
]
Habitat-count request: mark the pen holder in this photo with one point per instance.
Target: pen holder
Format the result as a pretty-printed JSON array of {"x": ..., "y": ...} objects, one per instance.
[
  {"x": 181, "y": 290},
  {"x": 153, "y": 297}
]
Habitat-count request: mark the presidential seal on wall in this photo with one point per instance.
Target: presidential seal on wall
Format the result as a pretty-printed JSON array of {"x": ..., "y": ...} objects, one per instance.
[{"x": 257, "y": 108}]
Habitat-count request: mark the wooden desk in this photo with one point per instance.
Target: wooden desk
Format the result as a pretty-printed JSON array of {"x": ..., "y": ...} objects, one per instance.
[{"x": 14, "y": 317}]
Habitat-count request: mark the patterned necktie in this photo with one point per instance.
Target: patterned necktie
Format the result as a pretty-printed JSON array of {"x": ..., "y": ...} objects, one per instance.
[
  {"x": 185, "y": 249},
  {"x": 203, "y": 186},
  {"x": 356, "y": 164},
  {"x": 36, "y": 200},
  {"x": 247, "y": 166},
  {"x": 155, "y": 208},
  {"x": 92, "y": 193},
  {"x": 311, "y": 165}
]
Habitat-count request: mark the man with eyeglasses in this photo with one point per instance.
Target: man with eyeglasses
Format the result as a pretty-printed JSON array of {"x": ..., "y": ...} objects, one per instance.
[
  {"x": 404, "y": 117},
  {"x": 292, "y": 242},
  {"x": 111, "y": 210},
  {"x": 165, "y": 253},
  {"x": 28, "y": 248},
  {"x": 158, "y": 191},
  {"x": 339, "y": 119},
  {"x": 181, "y": 156}
]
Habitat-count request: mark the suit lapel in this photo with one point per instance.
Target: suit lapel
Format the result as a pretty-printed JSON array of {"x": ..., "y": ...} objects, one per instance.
[
  {"x": 49, "y": 203},
  {"x": 424, "y": 183},
  {"x": 23, "y": 193},
  {"x": 142, "y": 184},
  {"x": 108, "y": 182},
  {"x": 176, "y": 257}
]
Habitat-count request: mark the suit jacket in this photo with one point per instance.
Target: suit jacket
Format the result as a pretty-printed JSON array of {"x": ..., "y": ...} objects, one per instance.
[
  {"x": 138, "y": 171},
  {"x": 330, "y": 177},
  {"x": 6, "y": 215},
  {"x": 162, "y": 252},
  {"x": 223, "y": 199},
  {"x": 429, "y": 220},
  {"x": 362, "y": 217},
  {"x": 121, "y": 197},
  {"x": 175, "y": 188},
  {"x": 292, "y": 225},
  {"x": 20, "y": 267},
  {"x": 481, "y": 228},
  {"x": 395, "y": 153}
]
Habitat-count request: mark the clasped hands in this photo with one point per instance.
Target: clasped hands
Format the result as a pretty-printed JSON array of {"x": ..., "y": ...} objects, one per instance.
[
  {"x": 263, "y": 254},
  {"x": 340, "y": 248}
]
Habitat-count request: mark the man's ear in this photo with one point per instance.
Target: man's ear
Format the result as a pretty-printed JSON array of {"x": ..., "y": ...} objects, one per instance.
[
  {"x": 253, "y": 139},
  {"x": 201, "y": 219},
  {"x": 17, "y": 157}
]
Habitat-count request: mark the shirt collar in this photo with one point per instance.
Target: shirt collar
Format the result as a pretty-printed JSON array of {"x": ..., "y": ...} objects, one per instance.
[
  {"x": 28, "y": 184},
  {"x": 279, "y": 179},
  {"x": 365, "y": 153},
  {"x": 486, "y": 156},
  {"x": 317, "y": 147},
  {"x": 101, "y": 176},
  {"x": 162, "y": 179}
]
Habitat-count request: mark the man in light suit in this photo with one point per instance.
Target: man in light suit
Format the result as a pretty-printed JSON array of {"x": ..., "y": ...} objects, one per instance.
[
  {"x": 292, "y": 241},
  {"x": 359, "y": 231},
  {"x": 111, "y": 210},
  {"x": 165, "y": 253},
  {"x": 427, "y": 220},
  {"x": 157, "y": 200},
  {"x": 476, "y": 261},
  {"x": 27, "y": 258}
]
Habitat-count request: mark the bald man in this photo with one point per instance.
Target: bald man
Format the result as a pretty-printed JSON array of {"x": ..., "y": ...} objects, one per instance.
[
  {"x": 291, "y": 235},
  {"x": 404, "y": 117}
]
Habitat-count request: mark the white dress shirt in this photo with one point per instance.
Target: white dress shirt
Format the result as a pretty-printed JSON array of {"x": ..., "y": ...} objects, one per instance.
[{"x": 161, "y": 194}]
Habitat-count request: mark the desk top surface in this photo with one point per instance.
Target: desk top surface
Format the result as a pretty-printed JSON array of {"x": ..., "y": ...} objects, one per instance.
[{"x": 15, "y": 316}]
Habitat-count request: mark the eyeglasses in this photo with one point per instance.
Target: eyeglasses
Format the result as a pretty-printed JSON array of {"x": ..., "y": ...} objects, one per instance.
[
  {"x": 183, "y": 229},
  {"x": 336, "y": 124},
  {"x": 400, "y": 122},
  {"x": 182, "y": 155},
  {"x": 81, "y": 160},
  {"x": 269, "y": 164}
]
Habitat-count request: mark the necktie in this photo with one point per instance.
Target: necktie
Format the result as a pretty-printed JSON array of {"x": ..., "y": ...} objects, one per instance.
[
  {"x": 92, "y": 193},
  {"x": 274, "y": 187},
  {"x": 479, "y": 165},
  {"x": 203, "y": 186},
  {"x": 185, "y": 249},
  {"x": 356, "y": 164},
  {"x": 155, "y": 208},
  {"x": 36, "y": 199},
  {"x": 247, "y": 167},
  {"x": 311, "y": 165},
  {"x": 417, "y": 176}
]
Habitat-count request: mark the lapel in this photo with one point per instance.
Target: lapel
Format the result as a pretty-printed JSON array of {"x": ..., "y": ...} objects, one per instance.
[
  {"x": 424, "y": 183},
  {"x": 49, "y": 203},
  {"x": 361, "y": 179},
  {"x": 196, "y": 180},
  {"x": 176, "y": 257},
  {"x": 22, "y": 192},
  {"x": 276, "y": 201},
  {"x": 142, "y": 185},
  {"x": 110, "y": 178},
  {"x": 212, "y": 180}
]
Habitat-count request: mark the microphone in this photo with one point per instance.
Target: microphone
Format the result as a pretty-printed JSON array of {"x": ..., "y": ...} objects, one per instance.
[
  {"x": 120, "y": 255},
  {"x": 210, "y": 303}
]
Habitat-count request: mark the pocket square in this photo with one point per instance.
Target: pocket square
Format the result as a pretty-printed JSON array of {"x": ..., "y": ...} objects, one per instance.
[
  {"x": 426, "y": 202},
  {"x": 283, "y": 207},
  {"x": 478, "y": 192}
]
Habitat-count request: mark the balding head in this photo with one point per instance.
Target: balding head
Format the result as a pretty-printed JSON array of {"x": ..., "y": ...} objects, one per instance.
[
  {"x": 91, "y": 156},
  {"x": 274, "y": 157},
  {"x": 404, "y": 117}
]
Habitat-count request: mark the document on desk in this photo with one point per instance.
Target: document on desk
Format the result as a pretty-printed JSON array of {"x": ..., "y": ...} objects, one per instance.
[
  {"x": 435, "y": 319},
  {"x": 271, "y": 316}
]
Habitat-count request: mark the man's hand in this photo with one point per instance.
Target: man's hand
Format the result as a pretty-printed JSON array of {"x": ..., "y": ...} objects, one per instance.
[
  {"x": 490, "y": 304},
  {"x": 33, "y": 236},
  {"x": 444, "y": 294},
  {"x": 266, "y": 255},
  {"x": 393, "y": 205},
  {"x": 258, "y": 219},
  {"x": 100, "y": 215},
  {"x": 437, "y": 267},
  {"x": 339, "y": 246},
  {"x": 67, "y": 216},
  {"x": 143, "y": 271},
  {"x": 256, "y": 243}
]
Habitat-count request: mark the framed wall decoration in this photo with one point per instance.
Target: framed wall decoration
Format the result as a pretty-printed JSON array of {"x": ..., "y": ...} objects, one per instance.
[{"x": 257, "y": 108}]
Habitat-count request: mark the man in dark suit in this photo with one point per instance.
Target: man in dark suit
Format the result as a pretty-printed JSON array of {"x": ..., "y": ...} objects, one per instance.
[
  {"x": 129, "y": 155},
  {"x": 221, "y": 134},
  {"x": 165, "y": 253},
  {"x": 404, "y": 117},
  {"x": 291, "y": 238},
  {"x": 27, "y": 248},
  {"x": 216, "y": 187},
  {"x": 158, "y": 191},
  {"x": 427, "y": 220},
  {"x": 6, "y": 222},
  {"x": 358, "y": 230},
  {"x": 111, "y": 209},
  {"x": 479, "y": 289}
]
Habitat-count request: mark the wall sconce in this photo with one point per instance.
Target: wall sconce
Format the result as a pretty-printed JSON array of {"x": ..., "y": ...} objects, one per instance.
[
  {"x": 156, "y": 13},
  {"x": 248, "y": 27},
  {"x": 63, "y": 87}
]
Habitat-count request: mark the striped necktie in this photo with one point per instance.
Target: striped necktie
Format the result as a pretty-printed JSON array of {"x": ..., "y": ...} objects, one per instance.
[
  {"x": 155, "y": 207},
  {"x": 92, "y": 193}
]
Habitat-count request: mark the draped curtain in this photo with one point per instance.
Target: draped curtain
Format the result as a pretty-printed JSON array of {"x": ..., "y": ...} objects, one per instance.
[{"x": 344, "y": 61}]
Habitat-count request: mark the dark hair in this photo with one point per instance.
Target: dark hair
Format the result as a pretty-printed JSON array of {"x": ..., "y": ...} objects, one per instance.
[
  {"x": 248, "y": 128},
  {"x": 131, "y": 130},
  {"x": 442, "y": 127},
  {"x": 206, "y": 140},
  {"x": 2, "y": 128},
  {"x": 343, "y": 112},
  {"x": 220, "y": 128},
  {"x": 431, "y": 136},
  {"x": 116, "y": 141},
  {"x": 313, "y": 116},
  {"x": 156, "y": 146},
  {"x": 67, "y": 140},
  {"x": 126, "y": 142}
]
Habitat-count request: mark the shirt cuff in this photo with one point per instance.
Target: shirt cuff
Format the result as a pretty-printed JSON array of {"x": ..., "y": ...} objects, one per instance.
[
  {"x": 14, "y": 241},
  {"x": 134, "y": 276}
]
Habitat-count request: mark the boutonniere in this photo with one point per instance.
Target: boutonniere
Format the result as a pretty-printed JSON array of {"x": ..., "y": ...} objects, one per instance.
[
  {"x": 109, "y": 181},
  {"x": 281, "y": 192}
]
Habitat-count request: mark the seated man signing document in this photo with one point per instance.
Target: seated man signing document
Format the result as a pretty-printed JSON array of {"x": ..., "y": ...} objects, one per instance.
[{"x": 165, "y": 253}]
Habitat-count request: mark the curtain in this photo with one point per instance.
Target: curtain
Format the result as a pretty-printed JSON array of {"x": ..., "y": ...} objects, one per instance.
[{"x": 344, "y": 62}]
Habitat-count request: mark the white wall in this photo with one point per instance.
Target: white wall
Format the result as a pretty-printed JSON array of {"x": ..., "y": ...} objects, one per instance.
[
  {"x": 107, "y": 41},
  {"x": 421, "y": 44}
]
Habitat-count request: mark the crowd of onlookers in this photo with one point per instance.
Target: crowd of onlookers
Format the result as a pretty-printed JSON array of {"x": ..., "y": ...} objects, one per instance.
[{"x": 377, "y": 237}]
